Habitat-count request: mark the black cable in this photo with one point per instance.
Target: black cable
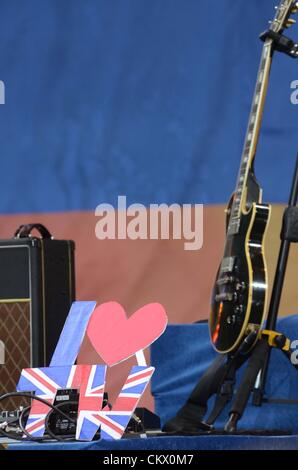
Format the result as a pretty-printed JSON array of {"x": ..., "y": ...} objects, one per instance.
[
  {"x": 23, "y": 429},
  {"x": 33, "y": 397},
  {"x": 47, "y": 427},
  {"x": 21, "y": 420}
]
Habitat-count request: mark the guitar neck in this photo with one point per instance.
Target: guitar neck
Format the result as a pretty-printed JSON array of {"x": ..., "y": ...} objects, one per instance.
[{"x": 252, "y": 136}]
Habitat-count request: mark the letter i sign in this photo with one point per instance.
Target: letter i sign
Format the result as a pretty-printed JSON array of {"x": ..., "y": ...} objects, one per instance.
[{"x": 115, "y": 338}]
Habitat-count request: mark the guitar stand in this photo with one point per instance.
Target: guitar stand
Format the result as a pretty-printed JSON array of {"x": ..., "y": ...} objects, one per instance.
[
  {"x": 256, "y": 348},
  {"x": 219, "y": 378}
]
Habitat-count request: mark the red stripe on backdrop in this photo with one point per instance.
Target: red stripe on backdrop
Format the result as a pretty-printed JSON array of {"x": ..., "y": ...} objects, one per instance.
[{"x": 134, "y": 272}]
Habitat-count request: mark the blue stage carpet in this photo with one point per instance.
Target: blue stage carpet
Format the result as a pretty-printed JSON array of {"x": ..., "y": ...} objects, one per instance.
[{"x": 174, "y": 443}]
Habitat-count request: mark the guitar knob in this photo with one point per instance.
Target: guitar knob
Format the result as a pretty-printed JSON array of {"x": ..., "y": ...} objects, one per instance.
[
  {"x": 295, "y": 8},
  {"x": 238, "y": 309},
  {"x": 231, "y": 319},
  {"x": 240, "y": 286}
]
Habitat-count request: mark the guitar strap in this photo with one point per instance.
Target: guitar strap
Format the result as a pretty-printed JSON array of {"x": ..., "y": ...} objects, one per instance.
[
  {"x": 218, "y": 379},
  {"x": 225, "y": 393}
]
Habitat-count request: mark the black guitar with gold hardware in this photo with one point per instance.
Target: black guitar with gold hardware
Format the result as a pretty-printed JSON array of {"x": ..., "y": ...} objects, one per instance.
[{"x": 240, "y": 293}]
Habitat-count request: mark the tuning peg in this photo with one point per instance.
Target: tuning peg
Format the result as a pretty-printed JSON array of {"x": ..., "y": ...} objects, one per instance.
[
  {"x": 290, "y": 23},
  {"x": 294, "y": 8}
]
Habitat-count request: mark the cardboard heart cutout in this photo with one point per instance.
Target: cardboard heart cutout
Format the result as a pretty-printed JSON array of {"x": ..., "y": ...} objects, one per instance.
[{"x": 116, "y": 337}]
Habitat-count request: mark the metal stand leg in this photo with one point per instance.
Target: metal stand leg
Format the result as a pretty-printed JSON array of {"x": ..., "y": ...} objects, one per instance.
[
  {"x": 278, "y": 284},
  {"x": 255, "y": 364}
]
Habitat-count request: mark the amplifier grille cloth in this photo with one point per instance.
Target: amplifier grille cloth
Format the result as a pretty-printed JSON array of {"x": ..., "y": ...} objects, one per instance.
[{"x": 15, "y": 334}]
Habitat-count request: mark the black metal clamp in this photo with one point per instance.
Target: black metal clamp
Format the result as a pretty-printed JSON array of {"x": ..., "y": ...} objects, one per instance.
[{"x": 281, "y": 43}]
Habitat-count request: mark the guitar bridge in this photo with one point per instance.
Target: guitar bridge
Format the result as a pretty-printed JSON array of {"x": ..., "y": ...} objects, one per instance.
[{"x": 225, "y": 280}]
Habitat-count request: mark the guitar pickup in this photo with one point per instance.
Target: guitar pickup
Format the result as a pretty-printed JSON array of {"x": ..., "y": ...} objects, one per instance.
[{"x": 228, "y": 264}]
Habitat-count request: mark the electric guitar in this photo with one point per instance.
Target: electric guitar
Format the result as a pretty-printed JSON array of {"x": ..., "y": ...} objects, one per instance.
[{"x": 239, "y": 296}]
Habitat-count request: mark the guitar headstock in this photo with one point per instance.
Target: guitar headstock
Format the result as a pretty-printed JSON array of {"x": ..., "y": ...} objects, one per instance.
[{"x": 282, "y": 18}]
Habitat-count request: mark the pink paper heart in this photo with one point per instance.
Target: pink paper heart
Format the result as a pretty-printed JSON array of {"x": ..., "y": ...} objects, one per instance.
[{"x": 116, "y": 337}]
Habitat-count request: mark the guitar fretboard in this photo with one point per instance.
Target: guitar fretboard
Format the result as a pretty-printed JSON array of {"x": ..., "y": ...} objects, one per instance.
[
  {"x": 283, "y": 11},
  {"x": 252, "y": 135}
]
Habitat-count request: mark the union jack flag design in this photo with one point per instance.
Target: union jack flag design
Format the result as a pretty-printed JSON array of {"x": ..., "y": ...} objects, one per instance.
[
  {"x": 90, "y": 403},
  {"x": 45, "y": 382},
  {"x": 114, "y": 422}
]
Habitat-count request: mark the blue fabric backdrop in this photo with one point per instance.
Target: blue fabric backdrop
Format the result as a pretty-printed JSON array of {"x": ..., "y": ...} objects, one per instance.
[{"x": 144, "y": 98}]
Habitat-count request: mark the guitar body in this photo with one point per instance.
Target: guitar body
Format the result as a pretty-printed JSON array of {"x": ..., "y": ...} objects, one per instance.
[{"x": 239, "y": 296}]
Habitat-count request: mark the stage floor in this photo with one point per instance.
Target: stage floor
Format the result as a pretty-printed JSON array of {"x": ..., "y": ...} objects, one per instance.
[{"x": 172, "y": 443}]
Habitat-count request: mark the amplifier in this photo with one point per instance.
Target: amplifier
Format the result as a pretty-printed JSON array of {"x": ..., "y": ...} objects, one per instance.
[{"x": 37, "y": 288}]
